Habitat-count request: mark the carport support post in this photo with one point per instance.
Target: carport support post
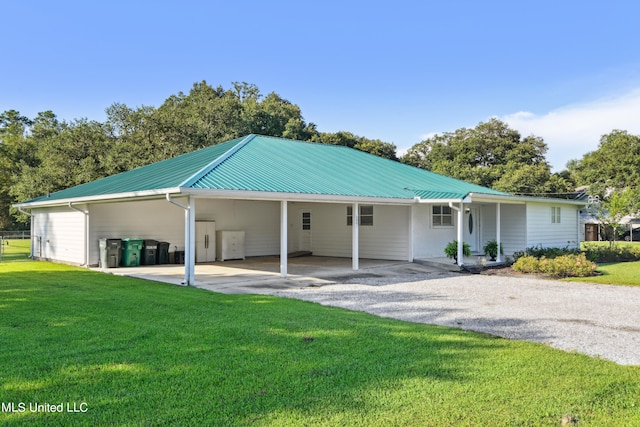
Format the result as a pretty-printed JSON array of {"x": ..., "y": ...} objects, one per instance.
[
  {"x": 283, "y": 238},
  {"x": 355, "y": 236},
  {"x": 460, "y": 242},
  {"x": 460, "y": 211},
  {"x": 190, "y": 242},
  {"x": 498, "y": 240}
]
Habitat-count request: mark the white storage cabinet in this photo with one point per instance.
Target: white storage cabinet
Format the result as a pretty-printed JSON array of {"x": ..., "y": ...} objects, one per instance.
[
  {"x": 230, "y": 244},
  {"x": 205, "y": 241}
]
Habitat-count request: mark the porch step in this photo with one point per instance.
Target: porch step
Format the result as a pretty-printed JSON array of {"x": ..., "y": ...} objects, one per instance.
[{"x": 439, "y": 265}]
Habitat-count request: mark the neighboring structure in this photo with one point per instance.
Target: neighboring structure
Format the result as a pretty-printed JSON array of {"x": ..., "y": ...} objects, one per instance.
[
  {"x": 294, "y": 196},
  {"x": 592, "y": 229}
]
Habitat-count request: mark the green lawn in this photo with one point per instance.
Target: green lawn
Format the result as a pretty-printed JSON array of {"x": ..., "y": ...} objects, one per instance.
[
  {"x": 15, "y": 250},
  {"x": 143, "y": 353},
  {"x": 620, "y": 273}
]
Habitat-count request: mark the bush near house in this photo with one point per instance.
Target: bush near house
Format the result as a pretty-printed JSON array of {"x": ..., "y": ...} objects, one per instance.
[
  {"x": 570, "y": 265},
  {"x": 612, "y": 253},
  {"x": 550, "y": 253}
]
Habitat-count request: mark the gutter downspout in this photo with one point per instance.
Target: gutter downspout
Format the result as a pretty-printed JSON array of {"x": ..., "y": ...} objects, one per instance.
[
  {"x": 189, "y": 239},
  {"x": 86, "y": 232},
  {"x": 460, "y": 242}
]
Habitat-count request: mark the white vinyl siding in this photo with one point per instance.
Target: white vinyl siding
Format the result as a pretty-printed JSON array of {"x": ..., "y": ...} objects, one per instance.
[
  {"x": 58, "y": 235},
  {"x": 151, "y": 219},
  {"x": 513, "y": 226},
  {"x": 260, "y": 220},
  {"x": 387, "y": 238},
  {"x": 429, "y": 241},
  {"x": 541, "y": 232}
]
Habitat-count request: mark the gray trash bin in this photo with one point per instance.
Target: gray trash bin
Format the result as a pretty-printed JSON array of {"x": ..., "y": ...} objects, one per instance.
[
  {"x": 110, "y": 251},
  {"x": 149, "y": 252},
  {"x": 163, "y": 253}
]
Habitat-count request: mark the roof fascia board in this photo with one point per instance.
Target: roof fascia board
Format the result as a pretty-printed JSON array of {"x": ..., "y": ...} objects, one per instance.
[
  {"x": 101, "y": 198},
  {"x": 496, "y": 198},
  {"x": 292, "y": 197},
  {"x": 215, "y": 163}
]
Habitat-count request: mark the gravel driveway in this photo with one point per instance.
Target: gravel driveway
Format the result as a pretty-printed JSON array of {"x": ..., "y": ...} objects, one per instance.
[{"x": 598, "y": 320}]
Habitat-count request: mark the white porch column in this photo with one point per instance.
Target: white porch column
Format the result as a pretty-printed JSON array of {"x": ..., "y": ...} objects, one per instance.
[
  {"x": 190, "y": 243},
  {"x": 498, "y": 238},
  {"x": 410, "y": 249},
  {"x": 283, "y": 238},
  {"x": 355, "y": 236},
  {"x": 460, "y": 229}
]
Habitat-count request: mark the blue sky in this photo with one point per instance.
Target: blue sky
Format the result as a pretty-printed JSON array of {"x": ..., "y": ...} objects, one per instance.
[{"x": 567, "y": 71}]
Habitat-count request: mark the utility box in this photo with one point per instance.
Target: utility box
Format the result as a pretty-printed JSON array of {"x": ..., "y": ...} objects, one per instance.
[
  {"x": 110, "y": 252},
  {"x": 131, "y": 250},
  {"x": 163, "y": 253},
  {"x": 149, "y": 252}
]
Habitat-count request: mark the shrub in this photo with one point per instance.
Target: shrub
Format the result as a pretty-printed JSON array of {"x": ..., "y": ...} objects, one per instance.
[
  {"x": 551, "y": 253},
  {"x": 562, "y": 266},
  {"x": 527, "y": 264},
  {"x": 615, "y": 253}
]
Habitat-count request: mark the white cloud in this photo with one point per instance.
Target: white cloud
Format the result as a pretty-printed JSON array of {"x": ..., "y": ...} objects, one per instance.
[{"x": 572, "y": 131}]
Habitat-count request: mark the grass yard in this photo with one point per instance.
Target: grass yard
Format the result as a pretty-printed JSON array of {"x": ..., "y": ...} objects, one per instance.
[
  {"x": 131, "y": 352},
  {"x": 15, "y": 250},
  {"x": 619, "y": 273}
]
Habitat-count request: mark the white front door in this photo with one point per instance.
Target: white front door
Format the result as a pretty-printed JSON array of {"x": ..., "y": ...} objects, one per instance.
[
  {"x": 304, "y": 239},
  {"x": 472, "y": 228}
]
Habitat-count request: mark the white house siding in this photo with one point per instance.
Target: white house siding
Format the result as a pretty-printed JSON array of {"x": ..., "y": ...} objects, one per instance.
[
  {"x": 58, "y": 235},
  {"x": 260, "y": 221},
  {"x": 150, "y": 219},
  {"x": 387, "y": 238},
  {"x": 430, "y": 241},
  {"x": 489, "y": 224},
  {"x": 513, "y": 226},
  {"x": 541, "y": 232}
]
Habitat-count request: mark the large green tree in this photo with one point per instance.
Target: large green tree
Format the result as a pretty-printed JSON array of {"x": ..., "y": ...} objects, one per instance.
[
  {"x": 16, "y": 151},
  {"x": 615, "y": 164},
  {"x": 46, "y": 155},
  {"x": 67, "y": 154},
  {"x": 492, "y": 155},
  {"x": 348, "y": 139}
]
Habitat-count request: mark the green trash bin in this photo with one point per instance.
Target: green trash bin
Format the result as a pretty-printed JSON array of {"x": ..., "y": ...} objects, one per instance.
[{"x": 131, "y": 250}]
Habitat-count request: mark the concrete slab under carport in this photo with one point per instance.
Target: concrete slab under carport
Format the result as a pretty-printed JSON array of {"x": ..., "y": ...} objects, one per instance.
[{"x": 258, "y": 273}]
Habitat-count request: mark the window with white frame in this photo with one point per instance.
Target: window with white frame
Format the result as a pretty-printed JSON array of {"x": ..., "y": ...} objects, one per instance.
[
  {"x": 555, "y": 215},
  {"x": 366, "y": 215},
  {"x": 441, "y": 216}
]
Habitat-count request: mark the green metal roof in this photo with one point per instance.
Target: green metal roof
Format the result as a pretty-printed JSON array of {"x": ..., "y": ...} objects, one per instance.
[{"x": 275, "y": 165}]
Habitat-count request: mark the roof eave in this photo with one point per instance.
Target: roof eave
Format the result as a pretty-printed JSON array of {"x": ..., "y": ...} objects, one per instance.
[
  {"x": 508, "y": 198},
  {"x": 119, "y": 197},
  {"x": 293, "y": 197}
]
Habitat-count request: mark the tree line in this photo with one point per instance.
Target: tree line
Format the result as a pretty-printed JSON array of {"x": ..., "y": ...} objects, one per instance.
[{"x": 45, "y": 154}]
